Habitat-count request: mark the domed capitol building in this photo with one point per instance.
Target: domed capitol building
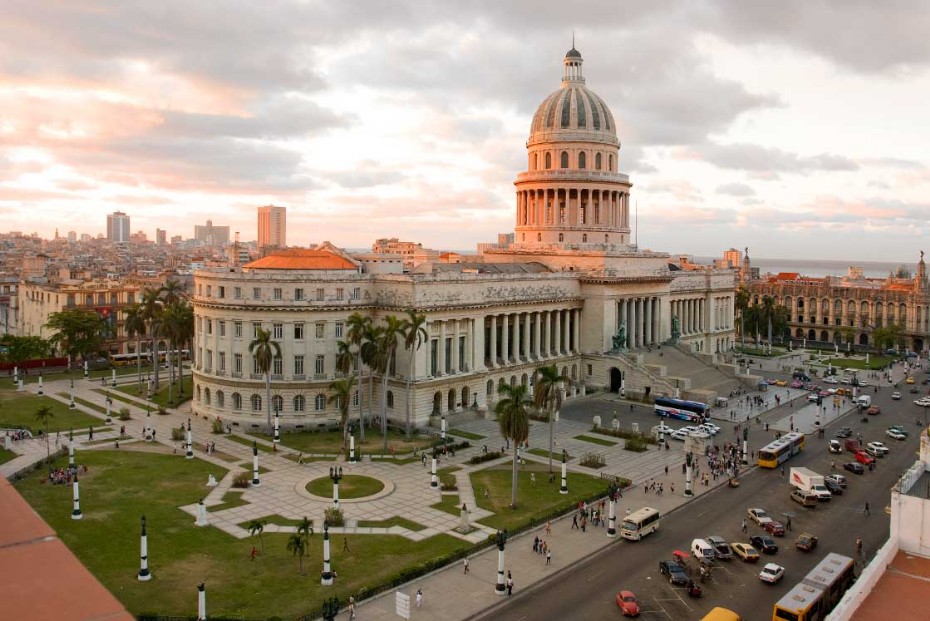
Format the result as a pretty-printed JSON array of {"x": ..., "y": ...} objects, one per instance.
[{"x": 571, "y": 290}]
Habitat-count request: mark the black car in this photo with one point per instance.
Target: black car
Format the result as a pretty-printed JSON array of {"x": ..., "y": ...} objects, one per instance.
[
  {"x": 845, "y": 432},
  {"x": 854, "y": 466},
  {"x": 833, "y": 487},
  {"x": 764, "y": 544},
  {"x": 676, "y": 575}
]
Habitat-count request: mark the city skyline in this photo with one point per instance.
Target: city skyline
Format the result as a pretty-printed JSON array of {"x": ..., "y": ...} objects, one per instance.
[{"x": 755, "y": 127}]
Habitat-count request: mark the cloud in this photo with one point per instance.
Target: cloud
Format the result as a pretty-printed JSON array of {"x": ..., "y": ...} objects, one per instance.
[
  {"x": 735, "y": 189},
  {"x": 753, "y": 157}
]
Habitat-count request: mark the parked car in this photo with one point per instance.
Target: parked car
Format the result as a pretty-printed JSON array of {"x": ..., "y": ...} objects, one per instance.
[
  {"x": 876, "y": 449},
  {"x": 844, "y": 432},
  {"x": 797, "y": 384},
  {"x": 774, "y": 528},
  {"x": 806, "y": 542},
  {"x": 710, "y": 427},
  {"x": 759, "y": 516},
  {"x": 899, "y": 429},
  {"x": 851, "y": 445},
  {"x": 896, "y": 396},
  {"x": 627, "y": 603},
  {"x": 772, "y": 573},
  {"x": 814, "y": 398},
  {"x": 835, "y": 446},
  {"x": 833, "y": 487},
  {"x": 764, "y": 544},
  {"x": 831, "y": 380},
  {"x": 839, "y": 479},
  {"x": 804, "y": 498},
  {"x": 864, "y": 458},
  {"x": 679, "y": 434},
  {"x": 909, "y": 380},
  {"x": 854, "y": 467},
  {"x": 873, "y": 410},
  {"x": 745, "y": 551},
  {"x": 781, "y": 383},
  {"x": 721, "y": 547},
  {"x": 663, "y": 428},
  {"x": 676, "y": 575}
]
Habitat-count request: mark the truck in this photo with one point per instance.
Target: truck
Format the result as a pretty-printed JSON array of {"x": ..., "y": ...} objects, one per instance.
[
  {"x": 809, "y": 481},
  {"x": 864, "y": 401}
]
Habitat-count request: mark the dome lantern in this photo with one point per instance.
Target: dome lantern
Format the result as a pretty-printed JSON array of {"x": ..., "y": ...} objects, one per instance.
[{"x": 573, "y": 62}]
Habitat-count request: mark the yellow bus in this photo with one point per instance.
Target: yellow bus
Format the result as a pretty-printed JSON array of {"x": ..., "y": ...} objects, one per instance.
[
  {"x": 781, "y": 450},
  {"x": 721, "y": 614},
  {"x": 815, "y": 596}
]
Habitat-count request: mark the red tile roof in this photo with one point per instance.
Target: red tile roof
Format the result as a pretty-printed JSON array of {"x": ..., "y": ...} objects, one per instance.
[
  {"x": 302, "y": 259},
  {"x": 900, "y": 593}
]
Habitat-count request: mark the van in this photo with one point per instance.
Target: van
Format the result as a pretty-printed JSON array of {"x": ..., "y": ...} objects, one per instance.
[
  {"x": 800, "y": 375},
  {"x": 864, "y": 401},
  {"x": 702, "y": 550},
  {"x": 804, "y": 498}
]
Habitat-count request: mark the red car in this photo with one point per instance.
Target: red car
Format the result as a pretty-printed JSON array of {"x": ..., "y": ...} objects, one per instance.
[
  {"x": 774, "y": 528},
  {"x": 627, "y": 603},
  {"x": 864, "y": 458}
]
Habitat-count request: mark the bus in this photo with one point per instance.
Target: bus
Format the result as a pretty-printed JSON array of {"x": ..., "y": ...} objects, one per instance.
[
  {"x": 691, "y": 411},
  {"x": 781, "y": 450},
  {"x": 721, "y": 614},
  {"x": 640, "y": 523},
  {"x": 122, "y": 360},
  {"x": 815, "y": 596}
]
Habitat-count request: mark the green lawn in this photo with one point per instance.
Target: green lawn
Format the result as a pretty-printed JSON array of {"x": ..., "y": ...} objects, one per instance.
[
  {"x": 533, "y": 500},
  {"x": 122, "y": 485},
  {"x": 331, "y": 442},
  {"x": 6, "y": 455},
  {"x": 450, "y": 504},
  {"x": 556, "y": 455},
  {"x": 18, "y": 410},
  {"x": 77, "y": 374},
  {"x": 465, "y": 434},
  {"x": 247, "y": 442},
  {"x": 394, "y": 521},
  {"x": 160, "y": 397},
  {"x": 278, "y": 520},
  {"x": 593, "y": 440},
  {"x": 350, "y": 486},
  {"x": 875, "y": 362},
  {"x": 231, "y": 499}
]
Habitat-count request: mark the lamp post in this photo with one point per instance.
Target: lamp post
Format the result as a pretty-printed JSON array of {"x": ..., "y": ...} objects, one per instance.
[
  {"x": 612, "y": 492},
  {"x": 109, "y": 403},
  {"x": 335, "y": 473},
  {"x": 442, "y": 429},
  {"x": 40, "y": 391},
  {"x": 144, "y": 573},
  {"x": 201, "y": 514},
  {"x": 113, "y": 379},
  {"x": 277, "y": 427},
  {"x": 72, "y": 405},
  {"x": 500, "y": 588},
  {"x": 745, "y": 459},
  {"x": 71, "y": 449},
  {"x": 86, "y": 370},
  {"x": 148, "y": 424},
  {"x": 434, "y": 478},
  {"x": 190, "y": 445},
  {"x": 201, "y": 602},
  {"x": 326, "y": 578},
  {"x": 255, "y": 480},
  {"x": 564, "y": 488},
  {"x": 351, "y": 445},
  {"x": 688, "y": 460},
  {"x": 76, "y": 511}
]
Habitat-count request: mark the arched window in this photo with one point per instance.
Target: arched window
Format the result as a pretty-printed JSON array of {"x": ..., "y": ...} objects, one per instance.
[
  {"x": 220, "y": 399},
  {"x": 563, "y": 160},
  {"x": 319, "y": 403},
  {"x": 539, "y": 237},
  {"x": 465, "y": 397},
  {"x": 206, "y": 396},
  {"x": 490, "y": 387},
  {"x": 597, "y": 161},
  {"x": 548, "y": 160},
  {"x": 300, "y": 404},
  {"x": 606, "y": 239},
  {"x": 611, "y": 168},
  {"x": 390, "y": 399},
  {"x": 237, "y": 401},
  {"x": 584, "y": 237},
  {"x": 450, "y": 400},
  {"x": 256, "y": 401},
  {"x": 561, "y": 237},
  {"x": 582, "y": 160},
  {"x": 535, "y": 161},
  {"x": 198, "y": 393},
  {"x": 277, "y": 403}
]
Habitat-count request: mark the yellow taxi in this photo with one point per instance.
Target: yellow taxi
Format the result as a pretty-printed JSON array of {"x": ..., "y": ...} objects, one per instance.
[{"x": 909, "y": 380}]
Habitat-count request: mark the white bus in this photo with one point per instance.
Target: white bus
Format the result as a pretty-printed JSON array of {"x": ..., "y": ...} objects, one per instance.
[{"x": 640, "y": 523}]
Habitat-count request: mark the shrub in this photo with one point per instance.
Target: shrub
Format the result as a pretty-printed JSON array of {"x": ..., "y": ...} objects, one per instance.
[
  {"x": 177, "y": 434},
  {"x": 218, "y": 426},
  {"x": 334, "y": 517},
  {"x": 124, "y": 414},
  {"x": 242, "y": 479},
  {"x": 483, "y": 457},
  {"x": 637, "y": 444},
  {"x": 593, "y": 460},
  {"x": 453, "y": 446},
  {"x": 623, "y": 433},
  {"x": 161, "y": 410}
]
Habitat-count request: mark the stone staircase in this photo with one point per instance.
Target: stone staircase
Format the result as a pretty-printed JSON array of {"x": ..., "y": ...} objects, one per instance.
[{"x": 697, "y": 377}]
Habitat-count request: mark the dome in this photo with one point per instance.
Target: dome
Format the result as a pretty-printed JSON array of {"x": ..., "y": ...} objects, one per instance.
[{"x": 574, "y": 107}]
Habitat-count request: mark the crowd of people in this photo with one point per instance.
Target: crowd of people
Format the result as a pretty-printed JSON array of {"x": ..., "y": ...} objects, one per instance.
[{"x": 64, "y": 476}]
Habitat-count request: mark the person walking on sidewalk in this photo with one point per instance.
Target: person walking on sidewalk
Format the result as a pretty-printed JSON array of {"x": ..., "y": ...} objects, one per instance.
[
  {"x": 548, "y": 556},
  {"x": 866, "y": 511},
  {"x": 419, "y": 597},
  {"x": 509, "y": 584},
  {"x": 744, "y": 528},
  {"x": 465, "y": 564}
]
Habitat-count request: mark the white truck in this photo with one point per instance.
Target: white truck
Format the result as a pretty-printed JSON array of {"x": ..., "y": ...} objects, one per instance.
[{"x": 809, "y": 481}]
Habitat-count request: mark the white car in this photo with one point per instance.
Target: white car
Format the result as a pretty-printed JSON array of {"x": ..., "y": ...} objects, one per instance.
[
  {"x": 923, "y": 402},
  {"x": 877, "y": 448},
  {"x": 759, "y": 516},
  {"x": 663, "y": 428},
  {"x": 679, "y": 434},
  {"x": 772, "y": 573},
  {"x": 896, "y": 396},
  {"x": 710, "y": 428},
  {"x": 830, "y": 380},
  {"x": 894, "y": 434},
  {"x": 813, "y": 397}
]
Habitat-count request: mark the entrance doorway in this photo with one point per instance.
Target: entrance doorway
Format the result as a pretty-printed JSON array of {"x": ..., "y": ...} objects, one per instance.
[{"x": 616, "y": 379}]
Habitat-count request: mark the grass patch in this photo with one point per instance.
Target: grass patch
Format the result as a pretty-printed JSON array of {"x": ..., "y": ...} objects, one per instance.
[
  {"x": 247, "y": 442},
  {"x": 465, "y": 434},
  {"x": 160, "y": 396},
  {"x": 400, "y": 461},
  {"x": 114, "y": 394},
  {"x": 593, "y": 440},
  {"x": 331, "y": 442},
  {"x": 449, "y": 504},
  {"x": 556, "y": 455},
  {"x": 306, "y": 459},
  {"x": 875, "y": 362},
  {"x": 6, "y": 455},
  {"x": 446, "y": 478},
  {"x": 388, "y": 523},
  {"x": 91, "y": 405},
  {"x": 533, "y": 500},
  {"x": 230, "y": 501},
  {"x": 18, "y": 410},
  {"x": 277, "y": 520},
  {"x": 350, "y": 486},
  {"x": 76, "y": 374}
]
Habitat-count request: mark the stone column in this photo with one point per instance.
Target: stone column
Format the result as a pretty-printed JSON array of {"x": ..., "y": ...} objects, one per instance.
[
  {"x": 578, "y": 330},
  {"x": 657, "y": 320},
  {"x": 558, "y": 332},
  {"x": 493, "y": 340},
  {"x": 630, "y": 318},
  {"x": 634, "y": 323},
  {"x": 648, "y": 323},
  {"x": 441, "y": 354},
  {"x": 527, "y": 338},
  {"x": 455, "y": 347},
  {"x": 505, "y": 338},
  {"x": 566, "y": 335},
  {"x": 537, "y": 345}
]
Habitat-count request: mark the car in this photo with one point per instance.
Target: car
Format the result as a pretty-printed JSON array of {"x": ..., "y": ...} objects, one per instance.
[
  {"x": 854, "y": 467},
  {"x": 831, "y": 380},
  {"x": 831, "y": 391},
  {"x": 679, "y": 434},
  {"x": 774, "y": 528},
  {"x": 845, "y": 380},
  {"x": 772, "y": 573},
  {"x": 797, "y": 384},
  {"x": 804, "y": 498},
  {"x": 914, "y": 389},
  {"x": 721, "y": 547},
  {"x": 864, "y": 458},
  {"x": 896, "y": 396},
  {"x": 745, "y": 551},
  {"x": 764, "y": 544},
  {"x": 771, "y": 381},
  {"x": 860, "y": 383},
  {"x": 627, "y": 603},
  {"x": 833, "y": 487},
  {"x": 909, "y": 380},
  {"x": 759, "y": 516},
  {"x": 806, "y": 542},
  {"x": 851, "y": 445},
  {"x": 781, "y": 383},
  {"x": 873, "y": 410},
  {"x": 711, "y": 428},
  {"x": 835, "y": 446},
  {"x": 877, "y": 448},
  {"x": 839, "y": 479},
  {"x": 663, "y": 428},
  {"x": 813, "y": 398},
  {"x": 676, "y": 575},
  {"x": 900, "y": 429},
  {"x": 844, "y": 432}
]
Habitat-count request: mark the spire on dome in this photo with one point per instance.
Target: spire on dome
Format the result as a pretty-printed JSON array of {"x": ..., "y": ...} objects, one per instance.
[{"x": 573, "y": 63}]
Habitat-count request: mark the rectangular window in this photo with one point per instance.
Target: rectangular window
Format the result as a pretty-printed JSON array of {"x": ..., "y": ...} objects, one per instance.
[
  {"x": 221, "y": 362},
  {"x": 433, "y": 357},
  {"x": 590, "y": 369},
  {"x": 338, "y": 330},
  {"x": 277, "y": 330},
  {"x": 237, "y": 329},
  {"x": 320, "y": 295},
  {"x": 222, "y": 292},
  {"x": 256, "y": 293},
  {"x": 277, "y": 293},
  {"x": 237, "y": 363},
  {"x": 277, "y": 366},
  {"x": 209, "y": 326},
  {"x": 448, "y": 346},
  {"x": 339, "y": 294},
  {"x": 461, "y": 353},
  {"x": 298, "y": 331},
  {"x": 237, "y": 293},
  {"x": 209, "y": 290},
  {"x": 222, "y": 327},
  {"x": 255, "y": 369},
  {"x": 357, "y": 293},
  {"x": 319, "y": 365},
  {"x": 320, "y": 329},
  {"x": 130, "y": 298},
  {"x": 298, "y": 365},
  {"x": 209, "y": 364},
  {"x": 299, "y": 294},
  {"x": 255, "y": 328}
]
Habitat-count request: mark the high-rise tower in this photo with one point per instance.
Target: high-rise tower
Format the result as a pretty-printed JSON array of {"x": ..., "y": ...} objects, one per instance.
[
  {"x": 272, "y": 226},
  {"x": 118, "y": 227}
]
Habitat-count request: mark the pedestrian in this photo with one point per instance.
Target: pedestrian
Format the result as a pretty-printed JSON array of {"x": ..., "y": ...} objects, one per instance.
[
  {"x": 535, "y": 544},
  {"x": 548, "y": 556},
  {"x": 345, "y": 544},
  {"x": 465, "y": 564},
  {"x": 351, "y": 607},
  {"x": 584, "y": 522},
  {"x": 574, "y": 521},
  {"x": 782, "y": 471},
  {"x": 672, "y": 487},
  {"x": 549, "y": 527},
  {"x": 252, "y": 553},
  {"x": 866, "y": 511},
  {"x": 744, "y": 527},
  {"x": 666, "y": 469},
  {"x": 419, "y": 597},
  {"x": 509, "y": 584},
  {"x": 788, "y": 524},
  {"x": 858, "y": 545}
]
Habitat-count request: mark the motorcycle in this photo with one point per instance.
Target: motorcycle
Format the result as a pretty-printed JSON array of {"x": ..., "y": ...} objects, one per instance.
[{"x": 694, "y": 590}]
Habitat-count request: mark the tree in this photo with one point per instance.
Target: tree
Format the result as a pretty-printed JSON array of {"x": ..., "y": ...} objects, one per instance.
[
  {"x": 341, "y": 390},
  {"x": 264, "y": 351},
  {"x": 370, "y": 355},
  {"x": 134, "y": 324},
  {"x": 174, "y": 321},
  {"x": 547, "y": 396},
  {"x": 43, "y": 415},
  {"x": 387, "y": 348},
  {"x": 742, "y": 303},
  {"x": 297, "y": 545},
  {"x": 357, "y": 328},
  {"x": 768, "y": 315},
  {"x": 344, "y": 357},
  {"x": 78, "y": 332},
  {"x": 514, "y": 422},
  {"x": 18, "y": 349},
  {"x": 414, "y": 336},
  {"x": 258, "y": 526},
  {"x": 151, "y": 312},
  {"x": 185, "y": 334},
  {"x": 305, "y": 527}
]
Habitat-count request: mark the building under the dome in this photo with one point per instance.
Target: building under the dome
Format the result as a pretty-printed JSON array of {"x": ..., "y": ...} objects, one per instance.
[{"x": 571, "y": 290}]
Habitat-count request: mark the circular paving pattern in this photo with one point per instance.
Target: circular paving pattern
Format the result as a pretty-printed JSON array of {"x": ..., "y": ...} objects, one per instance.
[{"x": 351, "y": 486}]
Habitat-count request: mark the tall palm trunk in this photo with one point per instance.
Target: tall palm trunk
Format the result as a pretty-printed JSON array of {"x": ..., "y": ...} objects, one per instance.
[
  {"x": 413, "y": 366},
  {"x": 268, "y": 398},
  {"x": 155, "y": 373},
  {"x": 180, "y": 375},
  {"x": 371, "y": 391},
  {"x": 513, "y": 482},
  {"x": 139, "y": 360},
  {"x": 170, "y": 373},
  {"x": 384, "y": 384},
  {"x": 358, "y": 371}
]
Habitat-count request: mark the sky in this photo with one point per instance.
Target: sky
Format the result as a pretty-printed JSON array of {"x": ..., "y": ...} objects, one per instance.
[{"x": 796, "y": 128}]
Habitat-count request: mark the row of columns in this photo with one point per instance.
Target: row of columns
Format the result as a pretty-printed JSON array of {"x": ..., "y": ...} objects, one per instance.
[
  {"x": 456, "y": 328},
  {"x": 643, "y": 320},
  {"x": 691, "y": 315},
  {"x": 533, "y": 335},
  {"x": 723, "y": 313},
  {"x": 573, "y": 206}
]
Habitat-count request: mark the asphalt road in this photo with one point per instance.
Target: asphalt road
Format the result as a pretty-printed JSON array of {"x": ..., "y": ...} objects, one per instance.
[{"x": 588, "y": 590}]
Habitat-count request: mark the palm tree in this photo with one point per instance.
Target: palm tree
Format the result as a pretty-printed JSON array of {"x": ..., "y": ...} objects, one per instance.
[
  {"x": 43, "y": 415},
  {"x": 151, "y": 312},
  {"x": 414, "y": 336},
  {"x": 370, "y": 356},
  {"x": 341, "y": 390},
  {"x": 344, "y": 357},
  {"x": 258, "y": 526},
  {"x": 264, "y": 351},
  {"x": 305, "y": 527},
  {"x": 514, "y": 422},
  {"x": 768, "y": 315},
  {"x": 387, "y": 349},
  {"x": 742, "y": 302},
  {"x": 356, "y": 334},
  {"x": 547, "y": 395},
  {"x": 172, "y": 320},
  {"x": 297, "y": 545},
  {"x": 185, "y": 333},
  {"x": 134, "y": 324}
]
